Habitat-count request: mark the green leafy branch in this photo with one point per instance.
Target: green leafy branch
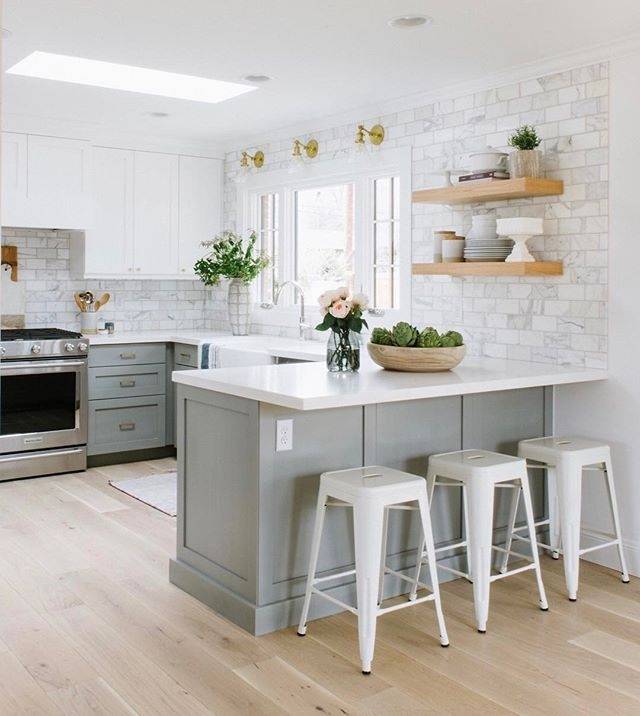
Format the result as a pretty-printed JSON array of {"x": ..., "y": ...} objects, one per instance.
[{"x": 229, "y": 258}]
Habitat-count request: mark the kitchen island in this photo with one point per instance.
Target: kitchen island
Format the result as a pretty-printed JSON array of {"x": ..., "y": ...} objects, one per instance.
[{"x": 247, "y": 491}]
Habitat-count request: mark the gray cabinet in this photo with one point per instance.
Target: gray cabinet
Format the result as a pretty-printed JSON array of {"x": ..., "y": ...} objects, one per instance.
[
  {"x": 128, "y": 398},
  {"x": 126, "y": 424}
]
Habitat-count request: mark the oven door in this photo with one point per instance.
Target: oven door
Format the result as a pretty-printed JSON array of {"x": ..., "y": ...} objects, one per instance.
[{"x": 43, "y": 404}]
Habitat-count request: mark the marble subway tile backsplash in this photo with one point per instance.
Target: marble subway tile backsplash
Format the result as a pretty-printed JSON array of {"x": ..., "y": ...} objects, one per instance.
[
  {"x": 43, "y": 265},
  {"x": 550, "y": 319}
]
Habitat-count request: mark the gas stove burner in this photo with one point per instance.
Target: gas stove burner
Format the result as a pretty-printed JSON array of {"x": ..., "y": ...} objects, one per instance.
[{"x": 37, "y": 334}]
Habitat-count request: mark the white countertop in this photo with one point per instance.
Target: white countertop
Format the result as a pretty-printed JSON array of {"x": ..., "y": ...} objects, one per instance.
[{"x": 309, "y": 386}]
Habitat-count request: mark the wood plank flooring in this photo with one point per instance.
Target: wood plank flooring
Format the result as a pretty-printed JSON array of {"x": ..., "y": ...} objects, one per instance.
[{"x": 89, "y": 624}]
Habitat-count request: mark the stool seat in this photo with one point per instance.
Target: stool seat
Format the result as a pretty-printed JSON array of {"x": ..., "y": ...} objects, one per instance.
[
  {"x": 372, "y": 491},
  {"x": 553, "y": 450},
  {"x": 470, "y": 464},
  {"x": 364, "y": 481}
]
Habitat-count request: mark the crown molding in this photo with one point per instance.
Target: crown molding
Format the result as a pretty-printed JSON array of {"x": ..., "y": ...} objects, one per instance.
[{"x": 583, "y": 57}]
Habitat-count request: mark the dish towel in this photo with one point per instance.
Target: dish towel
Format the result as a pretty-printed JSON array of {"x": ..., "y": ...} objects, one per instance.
[{"x": 209, "y": 355}]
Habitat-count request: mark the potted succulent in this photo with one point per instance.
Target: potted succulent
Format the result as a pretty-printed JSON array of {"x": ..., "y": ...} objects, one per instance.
[
  {"x": 343, "y": 316},
  {"x": 405, "y": 348},
  {"x": 230, "y": 258},
  {"x": 525, "y": 161}
]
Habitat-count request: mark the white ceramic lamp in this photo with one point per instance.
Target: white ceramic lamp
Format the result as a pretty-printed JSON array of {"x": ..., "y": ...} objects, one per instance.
[{"x": 520, "y": 229}]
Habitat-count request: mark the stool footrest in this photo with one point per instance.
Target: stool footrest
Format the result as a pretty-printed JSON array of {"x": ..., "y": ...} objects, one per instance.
[
  {"x": 339, "y": 602},
  {"x": 599, "y": 546},
  {"x": 404, "y": 605},
  {"x": 542, "y": 523},
  {"x": 542, "y": 545},
  {"x": 511, "y": 572},
  {"x": 334, "y": 576},
  {"x": 446, "y": 568},
  {"x": 404, "y": 577}
]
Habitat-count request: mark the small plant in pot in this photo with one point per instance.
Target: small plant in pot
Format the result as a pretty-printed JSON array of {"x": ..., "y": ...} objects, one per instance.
[
  {"x": 525, "y": 161},
  {"x": 240, "y": 262}
]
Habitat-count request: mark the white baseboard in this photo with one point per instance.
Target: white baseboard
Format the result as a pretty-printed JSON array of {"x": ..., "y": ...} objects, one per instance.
[{"x": 608, "y": 557}]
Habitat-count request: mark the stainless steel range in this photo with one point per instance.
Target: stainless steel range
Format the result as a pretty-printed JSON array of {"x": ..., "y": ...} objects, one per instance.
[{"x": 43, "y": 402}]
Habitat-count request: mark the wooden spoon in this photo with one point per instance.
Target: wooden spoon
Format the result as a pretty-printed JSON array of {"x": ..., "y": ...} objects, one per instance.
[
  {"x": 79, "y": 302},
  {"x": 102, "y": 301}
]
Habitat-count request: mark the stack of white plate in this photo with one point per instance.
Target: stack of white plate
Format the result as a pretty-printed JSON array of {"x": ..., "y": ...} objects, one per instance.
[{"x": 487, "y": 249}]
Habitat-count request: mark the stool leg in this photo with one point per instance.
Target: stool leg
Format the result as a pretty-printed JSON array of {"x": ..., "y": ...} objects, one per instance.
[
  {"x": 321, "y": 509},
  {"x": 431, "y": 486},
  {"x": 383, "y": 555},
  {"x": 465, "y": 512},
  {"x": 554, "y": 512},
  {"x": 616, "y": 518},
  {"x": 368, "y": 516},
  {"x": 481, "y": 496},
  {"x": 569, "y": 484},
  {"x": 513, "y": 512},
  {"x": 528, "y": 508},
  {"x": 427, "y": 533}
]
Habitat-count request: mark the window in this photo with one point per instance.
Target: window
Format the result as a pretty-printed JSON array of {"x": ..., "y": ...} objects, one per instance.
[
  {"x": 386, "y": 233},
  {"x": 268, "y": 227},
  {"x": 338, "y": 223},
  {"x": 324, "y": 238}
]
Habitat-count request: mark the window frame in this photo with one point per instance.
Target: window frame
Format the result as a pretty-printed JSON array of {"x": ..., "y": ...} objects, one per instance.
[{"x": 362, "y": 173}]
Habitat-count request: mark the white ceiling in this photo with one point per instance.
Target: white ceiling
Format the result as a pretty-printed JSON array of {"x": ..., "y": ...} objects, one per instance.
[{"x": 325, "y": 57}]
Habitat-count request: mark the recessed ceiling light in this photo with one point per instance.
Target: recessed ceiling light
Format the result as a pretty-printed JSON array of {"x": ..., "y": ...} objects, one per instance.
[
  {"x": 256, "y": 78},
  {"x": 80, "y": 70},
  {"x": 407, "y": 21}
]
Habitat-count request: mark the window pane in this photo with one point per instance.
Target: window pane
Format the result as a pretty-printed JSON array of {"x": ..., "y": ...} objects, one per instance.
[
  {"x": 324, "y": 238},
  {"x": 268, "y": 226},
  {"x": 396, "y": 197},
  {"x": 382, "y": 246},
  {"x": 383, "y": 287},
  {"x": 382, "y": 199}
]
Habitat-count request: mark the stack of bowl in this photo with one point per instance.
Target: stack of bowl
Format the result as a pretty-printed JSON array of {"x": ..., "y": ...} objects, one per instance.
[{"x": 483, "y": 243}]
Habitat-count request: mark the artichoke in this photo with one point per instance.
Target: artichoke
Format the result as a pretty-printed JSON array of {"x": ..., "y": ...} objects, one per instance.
[
  {"x": 452, "y": 339},
  {"x": 404, "y": 335},
  {"x": 382, "y": 336},
  {"x": 429, "y": 338}
]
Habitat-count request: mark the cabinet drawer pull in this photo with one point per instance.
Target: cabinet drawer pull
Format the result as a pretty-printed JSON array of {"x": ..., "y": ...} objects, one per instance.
[
  {"x": 127, "y": 356},
  {"x": 127, "y": 426},
  {"x": 127, "y": 383},
  {"x": 185, "y": 355}
]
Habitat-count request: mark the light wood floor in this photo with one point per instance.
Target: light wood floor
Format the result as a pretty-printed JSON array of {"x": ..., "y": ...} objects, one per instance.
[{"x": 90, "y": 624}]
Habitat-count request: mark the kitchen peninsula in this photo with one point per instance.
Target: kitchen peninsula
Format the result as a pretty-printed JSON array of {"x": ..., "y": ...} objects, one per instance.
[{"x": 247, "y": 482}]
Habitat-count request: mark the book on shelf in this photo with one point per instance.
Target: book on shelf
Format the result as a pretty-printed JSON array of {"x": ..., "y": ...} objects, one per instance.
[{"x": 480, "y": 176}]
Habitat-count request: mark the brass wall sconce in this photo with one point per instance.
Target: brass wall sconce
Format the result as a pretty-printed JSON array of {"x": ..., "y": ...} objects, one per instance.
[
  {"x": 310, "y": 149},
  {"x": 375, "y": 134},
  {"x": 256, "y": 159}
]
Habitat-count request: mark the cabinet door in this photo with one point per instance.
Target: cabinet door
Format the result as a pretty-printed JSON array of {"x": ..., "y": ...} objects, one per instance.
[
  {"x": 58, "y": 182},
  {"x": 109, "y": 241},
  {"x": 155, "y": 214},
  {"x": 200, "y": 207},
  {"x": 14, "y": 178}
]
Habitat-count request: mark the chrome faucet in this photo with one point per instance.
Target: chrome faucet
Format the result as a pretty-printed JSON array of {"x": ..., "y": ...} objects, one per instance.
[{"x": 303, "y": 326}]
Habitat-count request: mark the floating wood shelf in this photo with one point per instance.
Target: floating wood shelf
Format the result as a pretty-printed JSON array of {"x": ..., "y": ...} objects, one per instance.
[
  {"x": 490, "y": 268},
  {"x": 10, "y": 256},
  {"x": 499, "y": 190}
]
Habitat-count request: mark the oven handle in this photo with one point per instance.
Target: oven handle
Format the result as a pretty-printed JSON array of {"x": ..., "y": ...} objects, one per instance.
[
  {"x": 9, "y": 367},
  {"x": 28, "y": 456}
]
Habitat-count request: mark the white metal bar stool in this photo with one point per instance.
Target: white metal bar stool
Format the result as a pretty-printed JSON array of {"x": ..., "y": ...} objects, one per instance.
[
  {"x": 479, "y": 473},
  {"x": 370, "y": 491},
  {"x": 565, "y": 460}
]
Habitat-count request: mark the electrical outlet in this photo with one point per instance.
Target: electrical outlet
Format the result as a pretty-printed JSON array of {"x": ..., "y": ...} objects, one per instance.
[{"x": 284, "y": 435}]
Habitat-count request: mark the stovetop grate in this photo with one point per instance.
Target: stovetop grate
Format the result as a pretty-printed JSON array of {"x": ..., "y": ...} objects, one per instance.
[{"x": 36, "y": 334}]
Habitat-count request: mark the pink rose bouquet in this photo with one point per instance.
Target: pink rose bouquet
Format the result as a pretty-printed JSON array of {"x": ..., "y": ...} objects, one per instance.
[{"x": 343, "y": 315}]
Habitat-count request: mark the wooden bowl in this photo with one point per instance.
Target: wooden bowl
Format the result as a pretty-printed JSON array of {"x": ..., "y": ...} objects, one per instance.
[{"x": 416, "y": 360}]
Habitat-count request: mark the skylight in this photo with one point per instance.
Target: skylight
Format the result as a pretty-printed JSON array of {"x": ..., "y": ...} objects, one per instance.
[{"x": 82, "y": 71}]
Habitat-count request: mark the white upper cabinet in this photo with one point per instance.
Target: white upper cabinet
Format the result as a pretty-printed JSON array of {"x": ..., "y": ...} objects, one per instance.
[
  {"x": 14, "y": 178},
  {"x": 155, "y": 214},
  {"x": 109, "y": 240},
  {"x": 45, "y": 181},
  {"x": 58, "y": 182},
  {"x": 200, "y": 208}
]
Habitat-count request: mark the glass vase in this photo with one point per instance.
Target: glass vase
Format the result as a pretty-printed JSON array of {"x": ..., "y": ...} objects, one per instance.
[
  {"x": 524, "y": 163},
  {"x": 343, "y": 351}
]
